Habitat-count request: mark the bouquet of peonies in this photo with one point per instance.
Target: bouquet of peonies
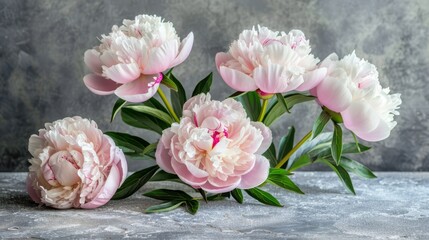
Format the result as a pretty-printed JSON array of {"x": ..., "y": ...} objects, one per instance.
[{"x": 217, "y": 148}]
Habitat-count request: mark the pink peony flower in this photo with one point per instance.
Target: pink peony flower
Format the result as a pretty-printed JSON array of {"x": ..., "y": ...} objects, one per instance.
[
  {"x": 74, "y": 165},
  {"x": 129, "y": 60},
  {"x": 215, "y": 146},
  {"x": 352, "y": 88},
  {"x": 270, "y": 62}
]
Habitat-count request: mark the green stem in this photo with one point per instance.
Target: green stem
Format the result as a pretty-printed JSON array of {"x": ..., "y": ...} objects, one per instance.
[
  {"x": 264, "y": 108},
  {"x": 167, "y": 104},
  {"x": 297, "y": 146}
]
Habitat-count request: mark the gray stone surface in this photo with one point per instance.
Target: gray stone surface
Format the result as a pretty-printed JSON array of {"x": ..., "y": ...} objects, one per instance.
[
  {"x": 42, "y": 46},
  {"x": 394, "y": 206}
]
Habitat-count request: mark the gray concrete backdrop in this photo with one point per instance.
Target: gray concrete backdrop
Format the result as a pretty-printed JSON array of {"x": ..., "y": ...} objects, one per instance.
[{"x": 42, "y": 45}]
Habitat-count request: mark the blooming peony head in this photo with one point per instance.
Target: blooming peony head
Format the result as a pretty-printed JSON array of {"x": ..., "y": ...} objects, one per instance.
[
  {"x": 352, "y": 88},
  {"x": 129, "y": 60},
  {"x": 270, "y": 62},
  {"x": 215, "y": 146},
  {"x": 74, "y": 165}
]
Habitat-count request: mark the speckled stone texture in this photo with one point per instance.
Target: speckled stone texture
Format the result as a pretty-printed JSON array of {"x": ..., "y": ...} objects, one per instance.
[
  {"x": 394, "y": 206},
  {"x": 42, "y": 46}
]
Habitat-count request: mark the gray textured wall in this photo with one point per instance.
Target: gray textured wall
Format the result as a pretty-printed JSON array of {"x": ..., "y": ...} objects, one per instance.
[{"x": 42, "y": 46}]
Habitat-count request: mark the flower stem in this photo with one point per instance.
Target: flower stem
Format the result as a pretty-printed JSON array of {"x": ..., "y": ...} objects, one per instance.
[
  {"x": 297, "y": 146},
  {"x": 167, "y": 104},
  {"x": 264, "y": 108}
]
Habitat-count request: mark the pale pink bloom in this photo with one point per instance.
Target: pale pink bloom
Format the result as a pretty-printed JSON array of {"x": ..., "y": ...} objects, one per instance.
[
  {"x": 352, "y": 88},
  {"x": 215, "y": 146},
  {"x": 270, "y": 62},
  {"x": 74, "y": 165},
  {"x": 129, "y": 60}
]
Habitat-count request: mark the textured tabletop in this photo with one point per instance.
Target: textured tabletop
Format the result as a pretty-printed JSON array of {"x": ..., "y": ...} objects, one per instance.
[{"x": 393, "y": 206}]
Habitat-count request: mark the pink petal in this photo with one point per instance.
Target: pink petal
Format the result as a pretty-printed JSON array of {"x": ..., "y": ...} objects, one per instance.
[
  {"x": 333, "y": 93},
  {"x": 213, "y": 189},
  {"x": 100, "y": 85},
  {"x": 258, "y": 174},
  {"x": 266, "y": 133},
  {"x": 92, "y": 60},
  {"x": 329, "y": 62},
  {"x": 121, "y": 164},
  {"x": 195, "y": 171},
  {"x": 139, "y": 90},
  {"x": 230, "y": 181},
  {"x": 109, "y": 59},
  {"x": 186, "y": 176},
  {"x": 106, "y": 193},
  {"x": 160, "y": 58},
  {"x": 35, "y": 196},
  {"x": 312, "y": 79},
  {"x": 380, "y": 133},
  {"x": 122, "y": 72},
  {"x": 237, "y": 80},
  {"x": 221, "y": 58},
  {"x": 360, "y": 116},
  {"x": 185, "y": 49},
  {"x": 163, "y": 159}
]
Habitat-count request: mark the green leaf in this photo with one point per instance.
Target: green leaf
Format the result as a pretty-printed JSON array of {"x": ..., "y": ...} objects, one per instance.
[
  {"x": 302, "y": 161},
  {"x": 215, "y": 197},
  {"x": 355, "y": 148},
  {"x": 286, "y": 143},
  {"x": 134, "y": 182},
  {"x": 128, "y": 141},
  {"x": 308, "y": 146},
  {"x": 320, "y": 123},
  {"x": 164, "y": 176},
  {"x": 141, "y": 120},
  {"x": 278, "y": 171},
  {"x": 192, "y": 206},
  {"x": 204, "y": 85},
  {"x": 337, "y": 144},
  {"x": 252, "y": 104},
  {"x": 236, "y": 94},
  {"x": 203, "y": 194},
  {"x": 263, "y": 197},
  {"x": 282, "y": 102},
  {"x": 167, "y": 194},
  {"x": 150, "y": 148},
  {"x": 153, "y": 112},
  {"x": 178, "y": 98},
  {"x": 356, "y": 168},
  {"x": 169, "y": 83},
  {"x": 348, "y": 148},
  {"x": 277, "y": 110},
  {"x": 270, "y": 154},
  {"x": 152, "y": 102},
  {"x": 342, "y": 174},
  {"x": 237, "y": 194},
  {"x": 164, "y": 207},
  {"x": 117, "y": 107},
  {"x": 284, "y": 182}
]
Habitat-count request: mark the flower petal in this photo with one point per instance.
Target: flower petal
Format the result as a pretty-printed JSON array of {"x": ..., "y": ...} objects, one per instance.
[
  {"x": 221, "y": 58},
  {"x": 237, "y": 80},
  {"x": 122, "y": 72},
  {"x": 380, "y": 133},
  {"x": 139, "y": 90},
  {"x": 333, "y": 93},
  {"x": 163, "y": 159},
  {"x": 270, "y": 79},
  {"x": 360, "y": 117},
  {"x": 92, "y": 60},
  {"x": 266, "y": 133},
  {"x": 230, "y": 181},
  {"x": 213, "y": 189},
  {"x": 185, "y": 49},
  {"x": 35, "y": 196},
  {"x": 257, "y": 175},
  {"x": 100, "y": 85},
  {"x": 186, "y": 176},
  {"x": 160, "y": 58},
  {"x": 106, "y": 193},
  {"x": 312, "y": 79}
]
